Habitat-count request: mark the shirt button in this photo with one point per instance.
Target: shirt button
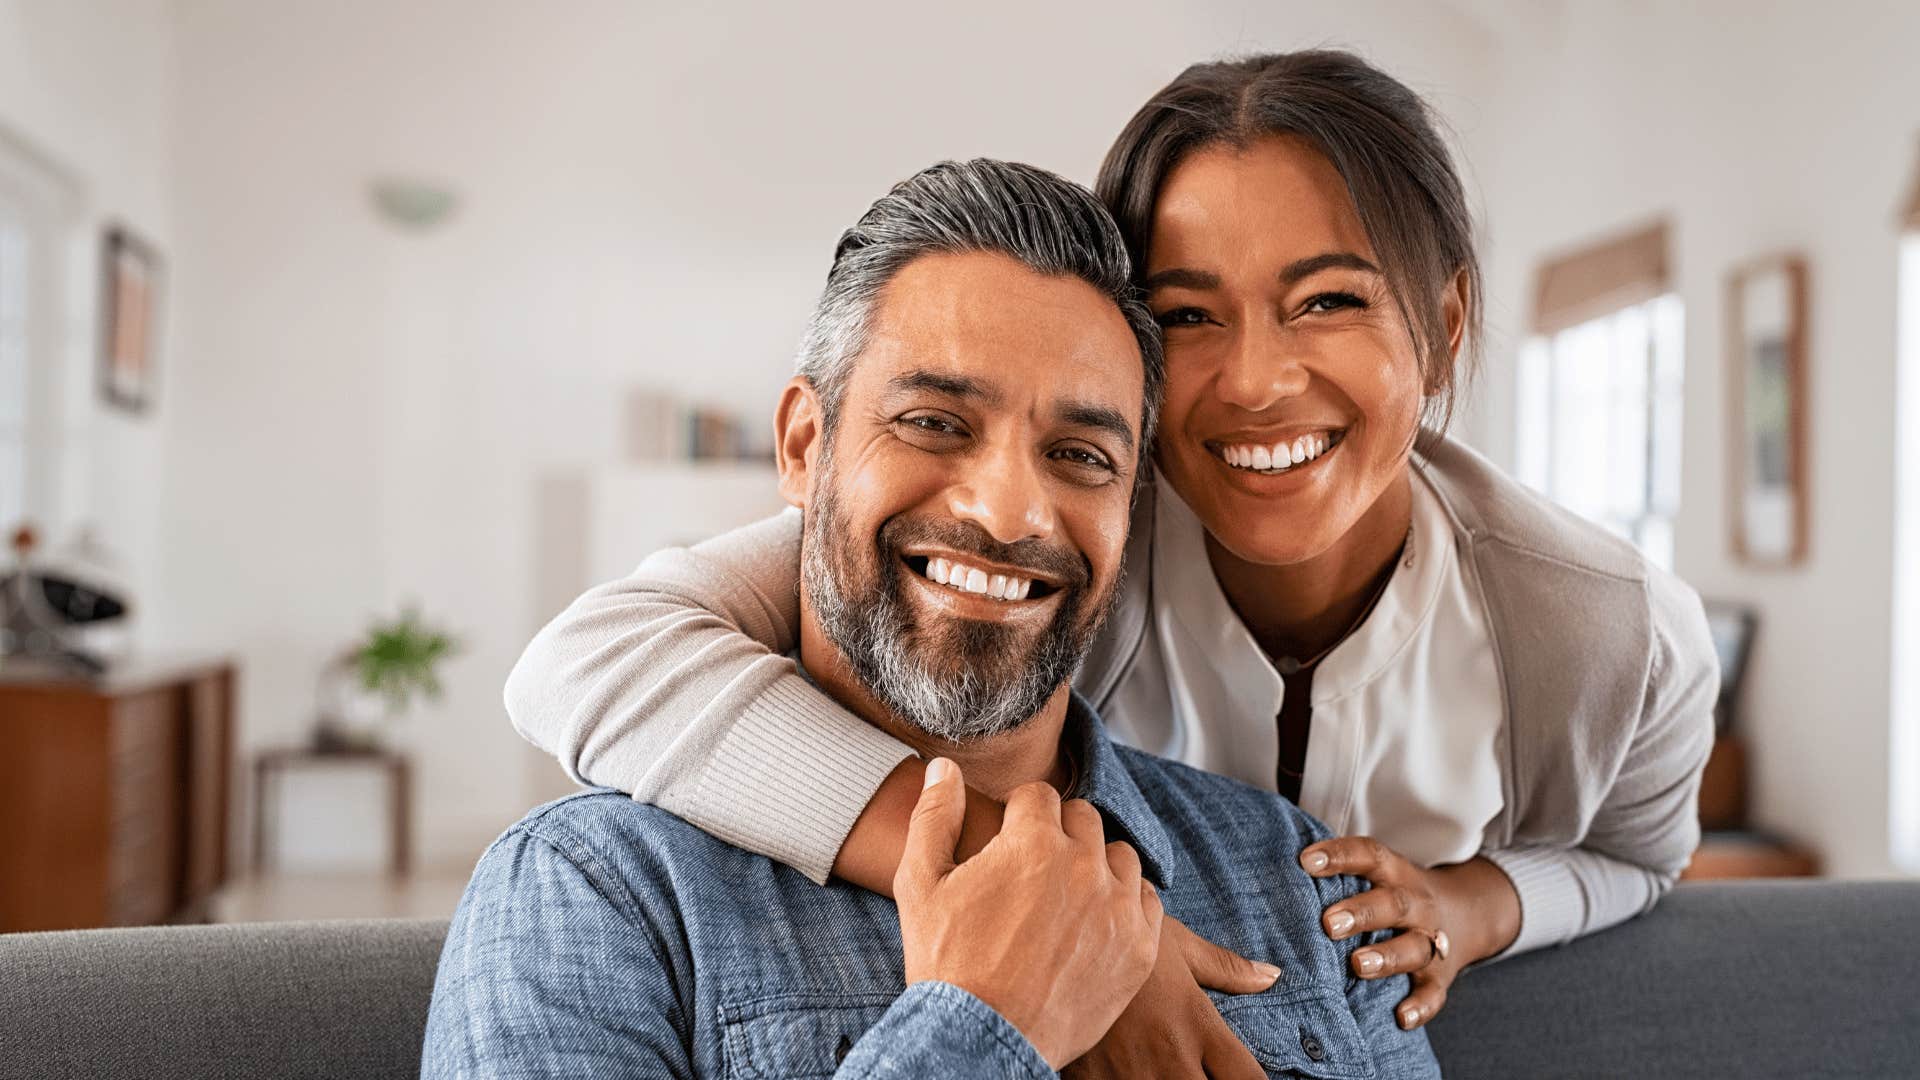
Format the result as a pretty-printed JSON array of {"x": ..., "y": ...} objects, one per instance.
[{"x": 1312, "y": 1046}]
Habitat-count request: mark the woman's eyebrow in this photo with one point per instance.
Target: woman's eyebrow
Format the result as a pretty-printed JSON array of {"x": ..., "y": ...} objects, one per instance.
[
  {"x": 1299, "y": 269},
  {"x": 1180, "y": 277}
]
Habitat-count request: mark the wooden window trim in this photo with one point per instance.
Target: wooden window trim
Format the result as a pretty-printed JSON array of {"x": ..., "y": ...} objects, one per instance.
[{"x": 1630, "y": 268}]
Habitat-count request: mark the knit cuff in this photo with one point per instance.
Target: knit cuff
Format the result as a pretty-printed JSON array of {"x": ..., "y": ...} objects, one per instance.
[
  {"x": 1553, "y": 903},
  {"x": 792, "y": 776}
]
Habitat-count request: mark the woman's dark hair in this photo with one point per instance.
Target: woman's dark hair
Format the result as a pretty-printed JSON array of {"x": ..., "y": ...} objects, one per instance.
[{"x": 1379, "y": 135}]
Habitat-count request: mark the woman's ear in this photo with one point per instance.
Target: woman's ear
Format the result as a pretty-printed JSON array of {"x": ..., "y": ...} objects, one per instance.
[
  {"x": 1453, "y": 310},
  {"x": 1454, "y": 307},
  {"x": 797, "y": 435}
]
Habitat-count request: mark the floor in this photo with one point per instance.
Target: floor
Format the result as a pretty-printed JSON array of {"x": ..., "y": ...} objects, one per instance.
[{"x": 281, "y": 897}]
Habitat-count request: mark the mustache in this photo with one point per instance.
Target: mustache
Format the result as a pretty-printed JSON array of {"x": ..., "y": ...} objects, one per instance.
[{"x": 1064, "y": 566}]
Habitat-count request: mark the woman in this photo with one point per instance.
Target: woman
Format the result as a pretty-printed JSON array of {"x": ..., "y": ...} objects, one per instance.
[{"x": 1329, "y": 598}]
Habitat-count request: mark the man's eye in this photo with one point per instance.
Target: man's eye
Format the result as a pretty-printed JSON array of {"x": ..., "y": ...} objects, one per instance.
[
  {"x": 1080, "y": 455},
  {"x": 1186, "y": 316},
  {"x": 932, "y": 424},
  {"x": 1335, "y": 301}
]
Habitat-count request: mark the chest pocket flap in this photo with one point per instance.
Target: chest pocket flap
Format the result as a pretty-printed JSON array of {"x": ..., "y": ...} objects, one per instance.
[
  {"x": 796, "y": 1035},
  {"x": 1306, "y": 1031}
]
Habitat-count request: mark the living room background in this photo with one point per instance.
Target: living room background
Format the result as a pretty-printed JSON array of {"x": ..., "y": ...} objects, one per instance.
[{"x": 353, "y": 414}]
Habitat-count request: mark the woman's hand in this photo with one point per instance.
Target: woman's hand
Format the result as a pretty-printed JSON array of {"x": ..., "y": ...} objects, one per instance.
[
  {"x": 1171, "y": 1028},
  {"x": 1448, "y": 917}
]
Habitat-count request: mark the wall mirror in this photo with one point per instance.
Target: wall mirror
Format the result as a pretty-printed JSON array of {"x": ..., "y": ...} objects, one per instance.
[{"x": 1767, "y": 332}]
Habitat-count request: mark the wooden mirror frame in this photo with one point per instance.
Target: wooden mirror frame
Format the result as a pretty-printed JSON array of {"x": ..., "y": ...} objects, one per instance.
[{"x": 1739, "y": 358}]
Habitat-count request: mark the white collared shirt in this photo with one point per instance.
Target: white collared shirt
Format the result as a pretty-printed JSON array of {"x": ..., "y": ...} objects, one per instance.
[{"x": 1406, "y": 710}]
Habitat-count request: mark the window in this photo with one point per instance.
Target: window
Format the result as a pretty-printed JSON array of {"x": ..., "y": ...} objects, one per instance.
[
  {"x": 14, "y": 387},
  {"x": 37, "y": 217},
  {"x": 1599, "y": 397},
  {"x": 1904, "y": 783},
  {"x": 1599, "y": 409}
]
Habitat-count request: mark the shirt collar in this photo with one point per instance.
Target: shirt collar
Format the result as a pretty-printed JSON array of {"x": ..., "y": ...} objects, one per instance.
[{"x": 1105, "y": 781}]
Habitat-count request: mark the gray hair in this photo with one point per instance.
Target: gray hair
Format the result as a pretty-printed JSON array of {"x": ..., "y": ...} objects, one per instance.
[{"x": 1050, "y": 225}]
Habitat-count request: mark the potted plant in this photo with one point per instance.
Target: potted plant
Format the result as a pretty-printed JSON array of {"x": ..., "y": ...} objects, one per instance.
[{"x": 377, "y": 681}]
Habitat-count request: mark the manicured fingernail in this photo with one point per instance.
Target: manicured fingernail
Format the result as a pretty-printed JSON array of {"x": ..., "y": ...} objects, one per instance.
[
  {"x": 1339, "y": 923},
  {"x": 1409, "y": 1016},
  {"x": 1314, "y": 861},
  {"x": 1370, "y": 962},
  {"x": 936, "y": 772},
  {"x": 1267, "y": 971}
]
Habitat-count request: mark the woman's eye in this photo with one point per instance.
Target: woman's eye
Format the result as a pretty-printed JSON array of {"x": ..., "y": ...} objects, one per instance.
[
  {"x": 1186, "y": 316},
  {"x": 1334, "y": 301}
]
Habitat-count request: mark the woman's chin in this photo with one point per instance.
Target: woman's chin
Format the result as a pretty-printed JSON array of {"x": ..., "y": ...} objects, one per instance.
[{"x": 1266, "y": 546}]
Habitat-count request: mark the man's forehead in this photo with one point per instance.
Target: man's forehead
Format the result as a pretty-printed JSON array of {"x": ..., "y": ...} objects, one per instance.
[{"x": 1010, "y": 333}]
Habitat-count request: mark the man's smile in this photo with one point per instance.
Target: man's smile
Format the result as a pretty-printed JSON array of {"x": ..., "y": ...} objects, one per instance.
[
  {"x": 978, "y": 576},
  {"x": 969, "y": 587}
]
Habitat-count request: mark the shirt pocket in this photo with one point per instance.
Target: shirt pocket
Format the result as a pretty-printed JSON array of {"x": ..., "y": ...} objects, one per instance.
[
  {"x": 796, "y": 1035},
  {"x": 1305, "y": 1031}
]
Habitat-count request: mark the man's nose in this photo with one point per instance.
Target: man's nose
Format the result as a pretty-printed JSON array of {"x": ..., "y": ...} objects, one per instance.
[
  {"x": 1005, "y": 493},
  {"x": 1260, "y": 370}
]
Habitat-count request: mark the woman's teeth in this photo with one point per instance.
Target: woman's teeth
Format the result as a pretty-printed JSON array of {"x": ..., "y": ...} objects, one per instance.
[
  {"x": 1280, "y": 456},
  {"x": 967, "y": 579}
]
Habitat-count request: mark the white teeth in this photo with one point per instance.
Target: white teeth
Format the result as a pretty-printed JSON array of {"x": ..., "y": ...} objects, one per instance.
[
  {"x": 967, "y": 579},
  {"x": 1278, "y": 457}
]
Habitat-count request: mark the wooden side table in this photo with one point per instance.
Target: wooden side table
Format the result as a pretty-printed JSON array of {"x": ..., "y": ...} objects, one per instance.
[{"x": 395, "y": 766}]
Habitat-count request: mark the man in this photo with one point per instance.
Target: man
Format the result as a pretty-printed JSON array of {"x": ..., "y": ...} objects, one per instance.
[{"x": 964, "y": 439}]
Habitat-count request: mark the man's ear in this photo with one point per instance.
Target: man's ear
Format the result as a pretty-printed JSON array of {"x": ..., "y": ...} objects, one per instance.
[{"x": 798, "y": 438}]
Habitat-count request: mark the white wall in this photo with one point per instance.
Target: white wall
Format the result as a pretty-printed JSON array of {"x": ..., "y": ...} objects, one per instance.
[
  {"x": 1755, "y": 127},
  {"x": 88, "y": 87},
  {"x": 650, "y": 195},
  {"x": 351, "y": 416}
]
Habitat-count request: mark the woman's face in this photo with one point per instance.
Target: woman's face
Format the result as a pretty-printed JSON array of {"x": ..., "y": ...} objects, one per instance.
[{"x": 1293, "y": 386}]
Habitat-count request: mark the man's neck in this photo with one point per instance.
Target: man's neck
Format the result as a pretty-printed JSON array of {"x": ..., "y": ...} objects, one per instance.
[{"x": 992, "y": 766}]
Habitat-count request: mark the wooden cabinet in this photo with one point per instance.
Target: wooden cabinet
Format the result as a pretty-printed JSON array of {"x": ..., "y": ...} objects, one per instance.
[{"x": 114, "y": 794}]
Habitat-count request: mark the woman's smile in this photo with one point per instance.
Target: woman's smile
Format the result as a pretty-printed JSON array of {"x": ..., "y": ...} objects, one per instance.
[{"x": 1275, "y": 456}]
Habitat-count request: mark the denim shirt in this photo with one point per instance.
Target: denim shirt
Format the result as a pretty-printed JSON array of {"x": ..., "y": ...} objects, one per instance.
[{"x": 601, "y": 936}]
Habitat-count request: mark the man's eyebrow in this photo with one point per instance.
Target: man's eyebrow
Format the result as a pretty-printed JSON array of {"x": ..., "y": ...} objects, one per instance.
[
  {"x": 956, "y": 386},
  {"x": 1103, "y": 417},
  {"x": 1333, "y": 260},
  {"x": 1181, "y": 277}
]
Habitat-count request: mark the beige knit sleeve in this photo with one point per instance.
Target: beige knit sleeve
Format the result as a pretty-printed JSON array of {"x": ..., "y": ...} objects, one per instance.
[
  {"x": 1647, "y": 825},
  {"x": 672, "y": 683}
]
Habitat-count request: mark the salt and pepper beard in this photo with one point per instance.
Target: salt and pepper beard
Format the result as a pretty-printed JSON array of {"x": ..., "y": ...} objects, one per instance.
[{"x": 960, "y": 681}]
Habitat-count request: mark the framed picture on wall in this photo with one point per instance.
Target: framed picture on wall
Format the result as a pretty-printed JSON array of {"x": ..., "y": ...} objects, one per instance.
[
  {"x": 1767, "y": 335},
  {"x": 129, "y": 320}
]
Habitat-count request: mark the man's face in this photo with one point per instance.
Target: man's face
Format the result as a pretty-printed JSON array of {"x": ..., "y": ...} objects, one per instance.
[{"x": 967, "y": 518}]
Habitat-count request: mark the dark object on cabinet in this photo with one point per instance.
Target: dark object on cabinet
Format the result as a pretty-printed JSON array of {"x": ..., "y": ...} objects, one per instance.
[{"x": 114, "y": 794}]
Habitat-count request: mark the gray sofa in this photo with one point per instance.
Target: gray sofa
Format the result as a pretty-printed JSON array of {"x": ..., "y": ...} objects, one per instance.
[{"x": 1750, "y": 979}]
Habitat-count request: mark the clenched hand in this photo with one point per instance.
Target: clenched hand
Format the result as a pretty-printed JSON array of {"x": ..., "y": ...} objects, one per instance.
[{"x": 1049, "y": 924}]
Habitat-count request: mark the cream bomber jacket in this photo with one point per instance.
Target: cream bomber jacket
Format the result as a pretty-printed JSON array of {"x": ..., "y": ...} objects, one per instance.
[{"x": 673, "y": 684}]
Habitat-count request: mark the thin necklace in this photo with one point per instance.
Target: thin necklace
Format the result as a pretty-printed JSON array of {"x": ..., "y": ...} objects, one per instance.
[{"x": 1287, "y": 665}]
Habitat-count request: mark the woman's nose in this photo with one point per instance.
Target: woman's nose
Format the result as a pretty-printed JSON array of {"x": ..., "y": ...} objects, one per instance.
[{"x": 1259, "y": 372}]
